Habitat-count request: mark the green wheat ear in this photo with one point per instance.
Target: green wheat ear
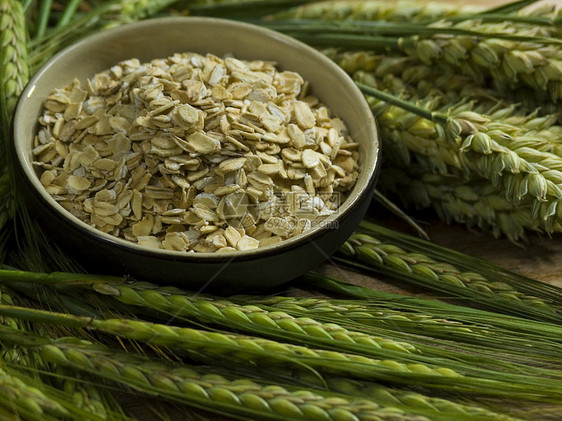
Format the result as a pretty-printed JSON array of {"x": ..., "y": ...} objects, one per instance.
[
  {"x": 14, "y": 70},
  {"x": 390, "y": 11},
  {"x": 14, "y": 74},
  {"x": 192, "y": 385}
]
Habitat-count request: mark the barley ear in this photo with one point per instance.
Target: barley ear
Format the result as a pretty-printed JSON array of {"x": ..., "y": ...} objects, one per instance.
[{"x": 14, "y": 71}]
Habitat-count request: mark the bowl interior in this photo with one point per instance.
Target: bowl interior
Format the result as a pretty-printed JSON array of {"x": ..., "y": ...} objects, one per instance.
[{"x": 159, "y": 38}]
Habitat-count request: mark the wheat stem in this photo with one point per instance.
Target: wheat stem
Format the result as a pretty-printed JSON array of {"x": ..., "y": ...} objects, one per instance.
[
  {"x": 437, "y": 409},
  {"x": 43, "y": 20},
  {"x": 548, "y": 331},
  {"x": 241, "y": 398},
  {"x": 406, "y": 139},
  {"x": 390, "y": 11},
  {"x": 420, "y": 270},
  {"x": 269, "y": 321},
  {"x": 436, "y": 269},
  {"x": 510, "y": 64},
  {"x": 279, "y": 325},
  {"x": 451, "y": 329},
  {"x": 263, "y": 352},
  {"x": 68, "y": 14}
]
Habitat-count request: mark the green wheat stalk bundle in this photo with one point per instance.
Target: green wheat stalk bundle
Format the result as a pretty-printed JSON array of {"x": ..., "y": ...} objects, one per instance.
[
  {"x": 30, "y": 398},
  {"x": 79, "y": 396},
  {"x": 481, "y": 333},
  {"x": 441, "y": 89},
  {"x": 419, "y": 262},
  {"x": 101, "y": 285},
  {"x": 510, "y": 50},
  {"x": 240, "y": 398},
  {"x": 510, "y": 64},
  {"x": 165, "y": 302},
  {"x": 479, "y": 143},
  {"x": 429, "y": 308},
  {"x": 419, "y": 79},
  {"x": 433, "y": 407},
  {"x": 482, "y": 146},
  {"x": 407, "y": 137},
  {"x": 411, "y": 11},
  {"x": 261, "y": 318},
  {"x": 259, "y": 352}
]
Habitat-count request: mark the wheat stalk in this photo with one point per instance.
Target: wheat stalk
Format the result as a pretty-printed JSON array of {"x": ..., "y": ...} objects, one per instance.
[
  {"x": 498, "y": 131},
  {"x": 16, "y": 355},
  {"x": 420, "y": 79},
  {"x": 373, "y": 341},
  {"x": 33, "y": 399},
  {"x": 512, "y": 52},
  {"x": 419, "y": 262},
  {"x": 398, "y": 11},
  {"x": 78, "y": 398},
  {"x": 375, "y": 253},
  {"x": 257, "y": 319},
  {"x": 482, "y": 146},
  {"x": 251, "y": 319},
  {"x": 450, "y": 329},
  {"x": 304, "y": 330},
  {"x": 509, "y": 63},
  {"x": 185, "y": 384},
  {"x": 432, "y": 407},
  {"x": 437, "y": 408},
  {"x": 536, "y": 329},
  {"x": 263, "y": 352},
  {"x": 408, "y": 137}
]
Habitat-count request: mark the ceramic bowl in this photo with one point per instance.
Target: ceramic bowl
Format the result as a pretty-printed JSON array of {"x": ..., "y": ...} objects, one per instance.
[{"x": 251, "y": 270}]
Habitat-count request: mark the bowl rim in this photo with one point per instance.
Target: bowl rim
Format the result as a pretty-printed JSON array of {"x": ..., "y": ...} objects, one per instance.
[{"x": 345, "y": 208}]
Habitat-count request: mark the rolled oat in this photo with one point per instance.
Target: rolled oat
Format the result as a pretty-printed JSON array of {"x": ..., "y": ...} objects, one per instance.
[{"x": 195, "y": 153}]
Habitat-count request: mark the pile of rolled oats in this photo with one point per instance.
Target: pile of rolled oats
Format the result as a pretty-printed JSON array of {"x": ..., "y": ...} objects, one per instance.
[{"x": 195, "y": 153}]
